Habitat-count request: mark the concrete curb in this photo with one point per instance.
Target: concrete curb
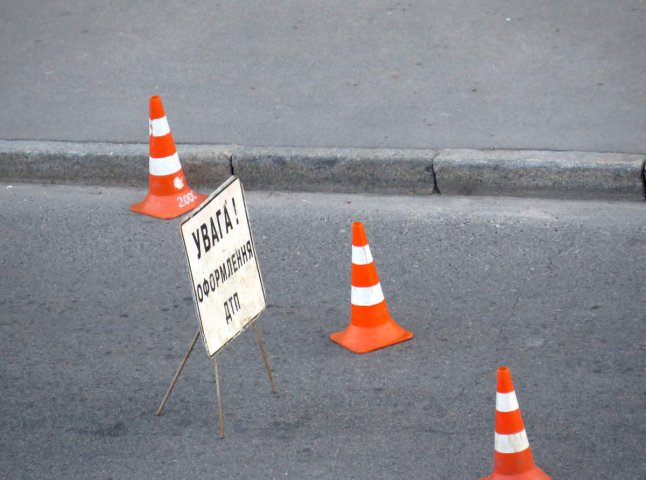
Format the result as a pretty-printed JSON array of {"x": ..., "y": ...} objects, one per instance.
[
  {"x": 336, "y": 170},
  {"x": 566, "y": 175},
  {"x": 546, "y": 174},
  {"x": 105, "y": 163}
]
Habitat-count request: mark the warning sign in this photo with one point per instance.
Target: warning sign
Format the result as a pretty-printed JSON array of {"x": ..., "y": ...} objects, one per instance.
[{"x": 222, "y": 262}]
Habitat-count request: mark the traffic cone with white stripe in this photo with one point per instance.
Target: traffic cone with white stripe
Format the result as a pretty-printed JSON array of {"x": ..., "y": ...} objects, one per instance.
[
  {"x": 371, "y": 326},
  {"x": 168, "y": 194},
  {"x": 512, "y": 457}
]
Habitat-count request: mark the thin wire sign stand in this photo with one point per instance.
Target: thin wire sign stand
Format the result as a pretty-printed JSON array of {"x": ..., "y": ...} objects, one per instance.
[{"x": 170, "y": 388}]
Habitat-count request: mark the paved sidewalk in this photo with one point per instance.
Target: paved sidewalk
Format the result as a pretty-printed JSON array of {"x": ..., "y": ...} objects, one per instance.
[{"x": 547, "y": 75}]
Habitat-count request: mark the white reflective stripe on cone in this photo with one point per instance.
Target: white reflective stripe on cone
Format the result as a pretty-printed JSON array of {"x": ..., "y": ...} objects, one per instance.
[
  {"x": 366, "y": 296},
  {"x": 506, "y": 402},
  {"x": 361, "y": 255},
  {"x": 158, "y": 127},
  {"x": 164, "y": 165},
  {"x": 514, "y": 443}
]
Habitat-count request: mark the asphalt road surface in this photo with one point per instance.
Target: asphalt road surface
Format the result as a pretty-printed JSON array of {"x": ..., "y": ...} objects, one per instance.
[
  {"x": 96, "y": 312},
  {"x": 547, "y": 75}
]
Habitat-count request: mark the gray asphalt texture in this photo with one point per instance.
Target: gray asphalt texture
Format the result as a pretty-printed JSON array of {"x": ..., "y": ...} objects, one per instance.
[
  {"x": 96, "y": 312},
  {"x": 547, "y": 75}
]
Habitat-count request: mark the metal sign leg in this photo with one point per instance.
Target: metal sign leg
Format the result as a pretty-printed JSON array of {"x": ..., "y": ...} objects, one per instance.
[
  {"x": 177, "y": 374},
  {"x": 219, "y": 397},
  {"x": 264, "y": 357}
]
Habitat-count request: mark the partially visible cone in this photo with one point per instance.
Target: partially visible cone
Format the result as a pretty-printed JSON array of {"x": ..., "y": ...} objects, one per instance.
[
  {"x": 371, "y": 326},
  {"x": 512, "y": 457},
  {"x": 169, "y": 196}
]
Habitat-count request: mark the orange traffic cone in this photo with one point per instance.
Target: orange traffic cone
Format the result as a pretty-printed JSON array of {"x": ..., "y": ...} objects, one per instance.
[
  {"x": 512, "y": 457},
  {"x": 371, "y": 326},
  {"x": 168, "y": 194}
]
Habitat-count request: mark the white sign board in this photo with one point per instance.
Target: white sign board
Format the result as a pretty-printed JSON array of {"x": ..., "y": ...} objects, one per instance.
[{"x": 227, "y": 286}]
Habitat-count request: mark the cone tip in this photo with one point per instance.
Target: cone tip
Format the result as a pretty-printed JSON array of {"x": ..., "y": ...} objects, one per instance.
[
  {"x": 505, "y": 384},
  {"x": 359, "y": 238},
  {"x": 156, "y": 107}
]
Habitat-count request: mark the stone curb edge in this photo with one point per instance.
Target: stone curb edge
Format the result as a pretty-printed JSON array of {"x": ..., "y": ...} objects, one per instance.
[{"x": 525, "y": 173}]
